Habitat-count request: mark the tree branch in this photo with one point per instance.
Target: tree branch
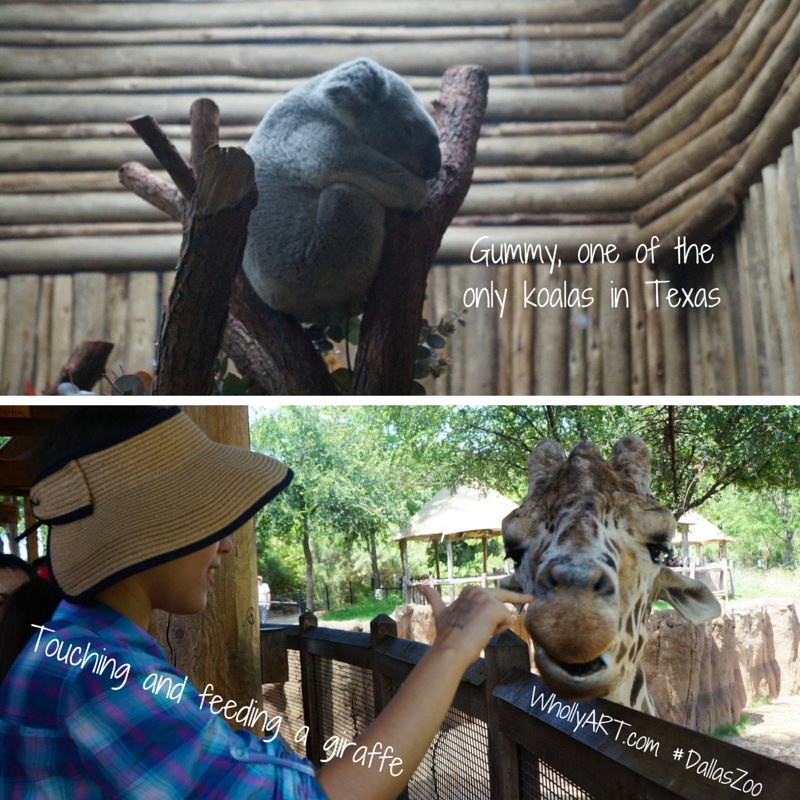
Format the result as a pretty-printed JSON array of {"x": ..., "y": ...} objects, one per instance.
[
  {"x": 211, "y": 254},
  {"x": 158, "y": 193},
  {"x": 85, "y": 367},
  {"x": 390, "y": 327},
  {"x": 167, "y": 154}
]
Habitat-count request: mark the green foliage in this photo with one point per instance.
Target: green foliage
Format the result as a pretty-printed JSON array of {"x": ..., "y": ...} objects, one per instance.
[
  {"x": 724, "y": 731},
  {"x": 697, "y": 450},
  {"x": 345, "y": 331},
  {"x": 762, "y": 520},
  {"x": 353, "y": 487},
  {"x": 758, "y": 584},
  {"x": 227, "y": 383},
  {"x": 759, "y": 701},
  {"x": 365, "y": 610}
]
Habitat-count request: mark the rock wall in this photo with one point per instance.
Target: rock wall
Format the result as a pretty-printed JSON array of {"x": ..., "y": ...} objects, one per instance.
[
  {"x": 786, "y": 635},
  {"x": 692, "y": 670}
]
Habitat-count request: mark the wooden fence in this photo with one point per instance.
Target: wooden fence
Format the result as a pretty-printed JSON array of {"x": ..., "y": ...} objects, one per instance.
[
  {"x": 506, "y": 736},
  {"x": 609, "y": 122}
]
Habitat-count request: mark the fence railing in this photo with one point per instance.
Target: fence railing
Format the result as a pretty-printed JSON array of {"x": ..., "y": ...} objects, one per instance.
[
  {"x": 412, "y": 595},
  {"x": 718, "y": 578},
  {"x": 506, "y": 736}
]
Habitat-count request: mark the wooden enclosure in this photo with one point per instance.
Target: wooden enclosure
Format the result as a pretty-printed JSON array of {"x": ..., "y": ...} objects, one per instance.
[
  {"x": 496, "y": 742},
  {"x": 609, "y": 122}
]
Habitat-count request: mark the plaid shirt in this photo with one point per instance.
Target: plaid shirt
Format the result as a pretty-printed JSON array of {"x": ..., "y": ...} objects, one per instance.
[{"x": 68, "y": 733}]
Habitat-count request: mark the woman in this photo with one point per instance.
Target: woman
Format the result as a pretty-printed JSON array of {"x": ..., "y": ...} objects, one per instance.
[{"x": 141, "y": 506}]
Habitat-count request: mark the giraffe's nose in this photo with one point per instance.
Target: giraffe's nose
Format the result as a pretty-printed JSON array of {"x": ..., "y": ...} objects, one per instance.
[{"x": 594, "y": 579}]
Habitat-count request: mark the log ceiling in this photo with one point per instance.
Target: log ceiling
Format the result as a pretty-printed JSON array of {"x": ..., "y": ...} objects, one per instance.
[
  {"x": 27, "y": 426},
  {"x": 608, "y": 121}
]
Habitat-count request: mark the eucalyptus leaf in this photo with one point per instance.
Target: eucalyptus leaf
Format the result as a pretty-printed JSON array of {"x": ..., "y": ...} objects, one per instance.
[
  {"x": 418, "y": 390},
  {"x": 354, "y": 331},
  {"x": 335, "y": 333},
  {"x": 342, "y": 379},
  {"x": 421, "y": 370},
  {"x": 128, "y": 385}
]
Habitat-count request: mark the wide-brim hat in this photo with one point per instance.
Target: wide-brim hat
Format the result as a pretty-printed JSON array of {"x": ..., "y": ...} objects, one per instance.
[{"x": 154, "y": 492}]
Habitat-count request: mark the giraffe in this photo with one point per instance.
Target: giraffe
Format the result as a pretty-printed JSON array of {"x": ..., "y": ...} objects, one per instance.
[{"x": 586, "y": 543}]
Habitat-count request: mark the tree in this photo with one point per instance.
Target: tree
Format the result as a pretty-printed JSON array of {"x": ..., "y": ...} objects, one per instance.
[
  {"x": 761, "y": 521},
  {"x": 351, "y": 482},
  {"x": 698, "y": 451}
]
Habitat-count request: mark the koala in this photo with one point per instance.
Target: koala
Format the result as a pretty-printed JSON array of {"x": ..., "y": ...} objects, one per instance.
[{"x": 330, "y": 158}]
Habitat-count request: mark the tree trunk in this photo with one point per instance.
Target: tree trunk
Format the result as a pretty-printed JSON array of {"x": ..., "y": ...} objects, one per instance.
[
  {"x": 788, "y": 539},
  {"x": 309, "y": 565},
  {"x": 373, "y": 554}
]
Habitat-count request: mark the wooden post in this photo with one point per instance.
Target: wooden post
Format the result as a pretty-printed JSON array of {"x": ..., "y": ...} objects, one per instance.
[
  {"x": 221, "y": 645},
  {"x": 403, "y": 559},
  {"x": 32, "y": 540},
  {"x": 307, "y": 622},
  {"x": 449, "y": 546},
  {"x": 503, "y": 653},
  {"x": 484, "y": 582},
  {"x": 436, "y": 548},
  {"x": 380, "y": 627},
  {"x": 274, "y": 655},
  {"x": 725, "y": 577}
]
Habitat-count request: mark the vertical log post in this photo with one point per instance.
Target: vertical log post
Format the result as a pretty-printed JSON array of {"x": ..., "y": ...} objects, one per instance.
[
  {"x": 308, "y": 622},
  {"x": 379, "y": 628},
  {"x": 502, "y": 654},
  {"x": 32, "y": 539},
  {"x": 484, "y": 581},
  {"x": 436, "y": 548},
  {"x": 405, "y": 568},
  {"x": 449, "y": 546}
]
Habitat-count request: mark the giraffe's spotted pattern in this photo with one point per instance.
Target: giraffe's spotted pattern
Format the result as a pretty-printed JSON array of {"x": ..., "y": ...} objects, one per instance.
[{"x": 586, "y": 543}]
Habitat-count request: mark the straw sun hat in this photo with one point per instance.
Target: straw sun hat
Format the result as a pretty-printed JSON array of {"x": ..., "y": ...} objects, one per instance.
[{"x": 154, "y": 492}]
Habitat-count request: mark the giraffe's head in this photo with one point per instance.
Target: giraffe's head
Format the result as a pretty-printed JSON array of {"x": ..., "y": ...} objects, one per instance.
[{"x": 586, "y": 543}]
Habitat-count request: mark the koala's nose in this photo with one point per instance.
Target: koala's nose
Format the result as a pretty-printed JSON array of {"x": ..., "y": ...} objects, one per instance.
[{"x": 433, "y": 160}]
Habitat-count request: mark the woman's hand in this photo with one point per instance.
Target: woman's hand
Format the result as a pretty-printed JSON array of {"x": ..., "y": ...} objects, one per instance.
[{"x": 477, "y": 614}]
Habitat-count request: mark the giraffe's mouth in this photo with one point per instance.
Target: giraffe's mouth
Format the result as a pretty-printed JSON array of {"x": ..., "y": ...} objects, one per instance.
[{"x": 574, "y": 681}]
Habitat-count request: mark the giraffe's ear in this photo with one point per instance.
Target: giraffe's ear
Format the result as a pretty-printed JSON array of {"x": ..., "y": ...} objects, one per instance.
[
  {"x": 630, "y": 460},
  {"x": 545, "y": 459},
  {"x": 692, "y": 599}
]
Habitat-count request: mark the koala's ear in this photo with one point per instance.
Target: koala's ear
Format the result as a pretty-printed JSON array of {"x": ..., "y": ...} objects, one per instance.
[{"x": 357, "y": 83}]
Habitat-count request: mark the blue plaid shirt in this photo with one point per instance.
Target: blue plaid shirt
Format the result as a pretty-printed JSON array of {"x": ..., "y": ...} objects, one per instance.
[{"x": 67, "y": 732}]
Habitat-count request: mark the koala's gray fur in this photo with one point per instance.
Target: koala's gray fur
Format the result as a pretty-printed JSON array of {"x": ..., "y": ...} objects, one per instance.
[{"x": 330, "y": 158}]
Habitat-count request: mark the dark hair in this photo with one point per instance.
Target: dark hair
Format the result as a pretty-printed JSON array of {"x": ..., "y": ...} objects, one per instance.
[
  {"x": 35, "y": 602},
  {"x": 10, "y": 561}
]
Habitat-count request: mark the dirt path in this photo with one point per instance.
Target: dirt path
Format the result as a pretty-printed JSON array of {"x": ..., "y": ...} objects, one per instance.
[{"x": 774, "y": 732}]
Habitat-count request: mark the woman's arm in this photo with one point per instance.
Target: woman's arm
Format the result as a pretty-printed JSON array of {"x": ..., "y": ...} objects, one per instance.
[{"x": 409, "y": 723}]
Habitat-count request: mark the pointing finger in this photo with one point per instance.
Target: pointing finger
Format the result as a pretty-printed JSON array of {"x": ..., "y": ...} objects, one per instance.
[
  {"x": 507, "y": 596},
  {"x": 434, "y": 598}
]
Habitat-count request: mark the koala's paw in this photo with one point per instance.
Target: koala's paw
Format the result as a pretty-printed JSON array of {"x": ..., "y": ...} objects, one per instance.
[{"x": 418, "y": 193}]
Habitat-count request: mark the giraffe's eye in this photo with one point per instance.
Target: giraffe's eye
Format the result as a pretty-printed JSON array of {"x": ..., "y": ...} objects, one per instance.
[
  {"x": 516, "y": 556},
  {"x": 657, "y": 549}
]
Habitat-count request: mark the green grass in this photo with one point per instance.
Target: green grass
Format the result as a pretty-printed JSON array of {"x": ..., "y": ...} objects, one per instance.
[
  {"x": 757, "y": 584},
  {"x": 732, "y": 730},
  {"x": 662, "y": 605},
  {"x": 363, "y": 610},
  {"x": 759, "y": 701}
]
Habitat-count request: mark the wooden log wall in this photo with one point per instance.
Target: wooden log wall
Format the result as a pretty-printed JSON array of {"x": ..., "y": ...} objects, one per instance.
[{"x": 609, "y": 122}]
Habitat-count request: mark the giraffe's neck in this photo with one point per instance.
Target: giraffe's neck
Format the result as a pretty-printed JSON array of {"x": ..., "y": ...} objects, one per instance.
[{"x": 632, "y": 691}]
